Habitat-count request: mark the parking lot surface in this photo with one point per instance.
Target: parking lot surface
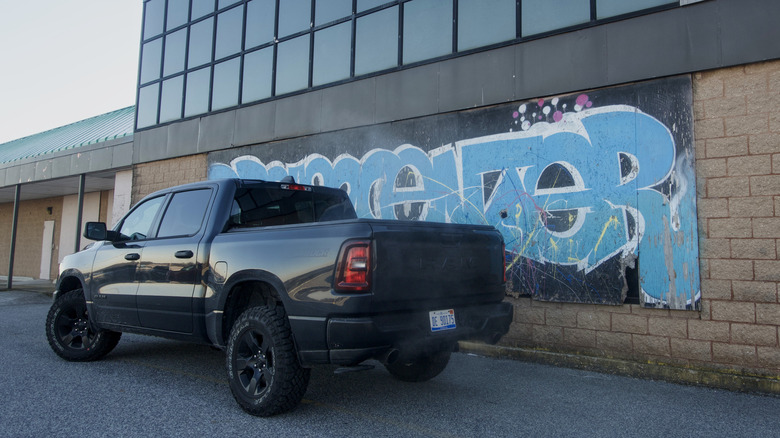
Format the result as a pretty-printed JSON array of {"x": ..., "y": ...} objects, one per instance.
[{"x": 154, "y": 387}]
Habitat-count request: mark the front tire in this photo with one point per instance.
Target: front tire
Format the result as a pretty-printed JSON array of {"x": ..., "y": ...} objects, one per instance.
[
  {"x": 264, "y": 373},
  {"x": 419, "y": 368},
  {"x": 69, "y": 333}
]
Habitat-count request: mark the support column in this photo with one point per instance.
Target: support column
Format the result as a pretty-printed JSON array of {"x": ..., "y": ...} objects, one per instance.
[
  {"x": 14, "y": 222},
  {"x": 82, "y": 181}
]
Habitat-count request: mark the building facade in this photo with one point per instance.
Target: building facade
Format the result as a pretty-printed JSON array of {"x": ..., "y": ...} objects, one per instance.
[{"x": 624, "y": 150}]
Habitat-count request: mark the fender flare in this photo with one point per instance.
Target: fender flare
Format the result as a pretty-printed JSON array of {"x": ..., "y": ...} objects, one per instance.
[
  {"x": 215, "y": 306},
  {"x": 72, "y": 273}
]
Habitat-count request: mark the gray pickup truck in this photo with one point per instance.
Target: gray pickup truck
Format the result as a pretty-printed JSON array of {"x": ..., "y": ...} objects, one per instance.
[{"x": 283, "y": 277}]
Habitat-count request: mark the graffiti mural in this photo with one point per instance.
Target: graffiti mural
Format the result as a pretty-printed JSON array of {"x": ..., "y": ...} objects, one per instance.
[{"x": 594, "y": 201}]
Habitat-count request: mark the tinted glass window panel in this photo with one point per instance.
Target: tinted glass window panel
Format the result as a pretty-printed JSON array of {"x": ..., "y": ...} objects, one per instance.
[
  {"x": 258, "y": 71},
  {"x": 485, "y": 22},
  {"x": 225, "y": 88},
  {"x": 185, "y": 213},
  {"x": 147, "y": 105},
  {"x": 226, "y": 3},
  {"x": 330, "y": 10},
  {"x": 543, "y": 15},
  {"x": 229, "y": 26},
  {"x": 175, "y": 44},
  {"x": 294, "y": 16},
  {"x": 259, "y": 22},
  {"x": 201, "y": 37},
  {"x": 201, "y": 8},
  {"x": 171, "y": 99},
  {"x": 263, "y": 207},
  {"x": 332, "y": 53},
  {"x": 178, "y": 11},
  {"x": 363, "y": 5},
  {"x": 151, "y": 60},
  {"x": 376, "y": 41},
  {"x": 427, "y": 29},
  {"x": 137, "y": 224},
  {"x": 611, "y": 8},
  {"x": 154, "y": 15},
  {"x": 292, "y": 65},
  {"x": 197, "y": 99}
]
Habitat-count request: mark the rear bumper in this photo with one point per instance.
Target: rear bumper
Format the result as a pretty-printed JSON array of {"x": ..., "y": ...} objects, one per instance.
[{"x": 353, "y": 340}]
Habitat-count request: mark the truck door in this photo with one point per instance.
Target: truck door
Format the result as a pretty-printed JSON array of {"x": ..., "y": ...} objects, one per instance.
[
  {"x": 169, "y": 273},
  {"x": 114, "y": 282}
]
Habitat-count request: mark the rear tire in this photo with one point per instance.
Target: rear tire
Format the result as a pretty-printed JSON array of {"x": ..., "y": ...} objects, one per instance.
[
  {"x": 70, "y": 334},
  {"x": 264, "y": 373},
  {"x": 419, "y": 368}
]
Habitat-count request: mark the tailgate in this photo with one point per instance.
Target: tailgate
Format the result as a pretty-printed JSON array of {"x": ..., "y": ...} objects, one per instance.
[{"x": 436, "y": 263}]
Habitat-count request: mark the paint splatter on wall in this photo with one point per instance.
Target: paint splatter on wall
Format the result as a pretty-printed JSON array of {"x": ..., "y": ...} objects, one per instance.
[{"x": 593, "y": 201}]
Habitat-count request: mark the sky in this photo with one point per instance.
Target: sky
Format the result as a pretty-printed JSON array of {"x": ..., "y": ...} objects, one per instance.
[{"x": 62, "y": 61}]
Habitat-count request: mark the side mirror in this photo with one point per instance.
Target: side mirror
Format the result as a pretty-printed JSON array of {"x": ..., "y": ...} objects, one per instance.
[{"x": 95, "y": 231}]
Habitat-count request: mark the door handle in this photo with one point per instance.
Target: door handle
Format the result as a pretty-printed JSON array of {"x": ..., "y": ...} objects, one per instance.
[
  {"x": 184, "y": 254},
  {"x": 132, "y": 256}
]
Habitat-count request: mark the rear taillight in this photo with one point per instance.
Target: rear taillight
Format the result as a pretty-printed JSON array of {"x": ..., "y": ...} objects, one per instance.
[{"x": 354, "y": 267}]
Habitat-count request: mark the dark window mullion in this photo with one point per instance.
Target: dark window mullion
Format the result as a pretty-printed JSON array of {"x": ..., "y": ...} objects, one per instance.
[
  {"x": 164, "y": 38},
  {"x": 186, "y": 67},
  {"x": 276, "y": 48},
  {"x": 140, "y": 60},
  {"x": 454, "y": 26},
  {"x": 519, "y": 19},
  {"x": 243, "y": 50},
  {"x": 212, "y": 64},
  {"x": 353, "y": 42},
  {"x": 312, "y": 17},
  {"x": 592, "y": 10},
  {"x": 400, "y": 36}
]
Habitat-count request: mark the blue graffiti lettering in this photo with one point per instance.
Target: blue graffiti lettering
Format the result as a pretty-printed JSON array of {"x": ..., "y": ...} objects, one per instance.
[{"x": 597, "y": 184}]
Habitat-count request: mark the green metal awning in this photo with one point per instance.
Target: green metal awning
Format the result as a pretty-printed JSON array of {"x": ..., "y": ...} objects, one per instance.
[{"x": 109, "y": 126}]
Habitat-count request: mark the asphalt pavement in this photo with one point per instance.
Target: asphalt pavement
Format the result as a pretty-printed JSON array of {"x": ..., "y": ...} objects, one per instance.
[{"x": 155, "y": 387}]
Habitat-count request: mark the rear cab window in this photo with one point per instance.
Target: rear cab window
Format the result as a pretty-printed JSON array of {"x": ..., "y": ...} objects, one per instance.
[{"x": 288, "y": 204}]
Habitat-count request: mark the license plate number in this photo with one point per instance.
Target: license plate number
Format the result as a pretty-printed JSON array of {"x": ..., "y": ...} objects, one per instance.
[{"x": 442, "y": 320}]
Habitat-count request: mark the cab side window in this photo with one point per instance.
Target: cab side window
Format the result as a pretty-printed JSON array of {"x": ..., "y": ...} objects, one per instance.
[
  {"x": 137, "y": 224},
  {"x": 185, "y": 213}
]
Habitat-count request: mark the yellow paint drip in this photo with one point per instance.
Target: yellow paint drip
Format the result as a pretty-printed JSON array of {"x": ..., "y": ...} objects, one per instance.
[{"x": 612, "y": 220}]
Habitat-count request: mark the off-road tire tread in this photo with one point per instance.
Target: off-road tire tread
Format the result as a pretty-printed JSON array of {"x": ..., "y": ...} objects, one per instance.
[
  {"x": 105, "y": 342},
  {"x": 290, "y": 379}
]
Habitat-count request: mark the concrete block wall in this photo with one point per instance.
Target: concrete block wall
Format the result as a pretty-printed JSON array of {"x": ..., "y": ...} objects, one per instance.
[
  {"x": 27, "y": 257},
  {"x": 737, "y": 142},
  {"x": 158, "y": 175}
]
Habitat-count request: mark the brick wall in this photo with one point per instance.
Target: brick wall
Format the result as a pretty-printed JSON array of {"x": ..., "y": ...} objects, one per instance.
[
  {"x": 29, "y": 235},
  {"x": 737, "y": 141},
  {"x": 158, "y": 175}
]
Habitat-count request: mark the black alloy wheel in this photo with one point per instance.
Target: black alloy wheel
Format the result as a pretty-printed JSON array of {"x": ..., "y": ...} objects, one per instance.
[
  {"x": 254, "y": 362},
  {"x": 264, "y": 373},
  {"x": 70, "y": 334}
]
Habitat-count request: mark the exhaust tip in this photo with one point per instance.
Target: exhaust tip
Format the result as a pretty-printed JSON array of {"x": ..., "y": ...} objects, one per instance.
[{"x": 391, "y": 356}]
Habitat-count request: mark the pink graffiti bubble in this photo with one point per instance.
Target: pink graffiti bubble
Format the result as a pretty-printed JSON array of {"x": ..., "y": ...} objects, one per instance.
[
  {"x": 557, "y": 116},
  {"x": 589, "y": 104},
  {"x": 541, "y": 102},
  {"x": 515, "y": 115},
  {"x": 582, "y": 99}
]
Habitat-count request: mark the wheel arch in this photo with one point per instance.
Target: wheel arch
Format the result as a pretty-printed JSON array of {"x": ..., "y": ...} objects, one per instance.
[
  {"x": 69, "y": 281},
  {"x": 244, "y": 290}
]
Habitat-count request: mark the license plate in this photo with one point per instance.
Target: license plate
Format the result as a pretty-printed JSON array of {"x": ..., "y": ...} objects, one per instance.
[{"x": 442, "y": 320}]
